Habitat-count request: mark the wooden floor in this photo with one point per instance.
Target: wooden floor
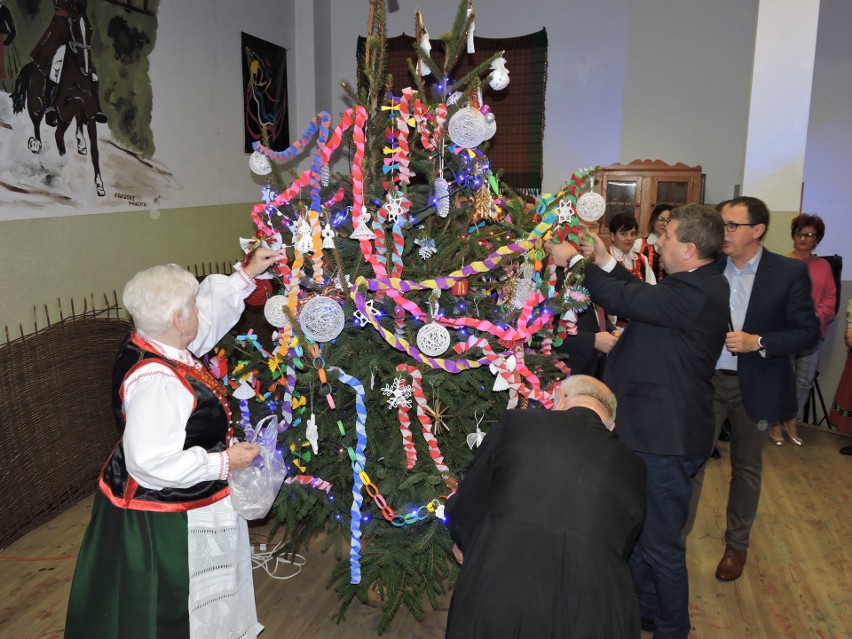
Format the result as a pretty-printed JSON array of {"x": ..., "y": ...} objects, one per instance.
[{"x": 797, "y": 583}]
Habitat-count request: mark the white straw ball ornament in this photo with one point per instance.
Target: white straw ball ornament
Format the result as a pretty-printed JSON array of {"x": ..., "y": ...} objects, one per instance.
[
  {"x": 274, "y": 313},
  {"x": 591, "y": 206},
  {"x": 260, "y": 164},
  {"x": 322, "y": 319},
  {"x": 467, "y": 127},
  {"x": 433, "y": 339}
]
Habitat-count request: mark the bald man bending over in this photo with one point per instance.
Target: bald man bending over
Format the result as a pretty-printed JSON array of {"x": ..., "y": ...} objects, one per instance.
[{"x": 546, "y": 518}]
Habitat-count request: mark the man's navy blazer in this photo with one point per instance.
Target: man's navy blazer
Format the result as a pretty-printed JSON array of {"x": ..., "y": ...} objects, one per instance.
[
  {"x": 662, "y": 367},
  {"x": 781, "y": 311}
]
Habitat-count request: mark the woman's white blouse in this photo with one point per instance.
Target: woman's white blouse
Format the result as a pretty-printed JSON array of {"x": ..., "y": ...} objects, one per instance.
[{"x": 157, "y": 404}]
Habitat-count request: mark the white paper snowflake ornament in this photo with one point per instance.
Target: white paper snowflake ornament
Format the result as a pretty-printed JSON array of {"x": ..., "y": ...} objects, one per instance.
[
  {"x": 398, "y": 394},
  {"x": 441, "y": 196},
  {"x": 274, "y": 313},
  {"x": 260, "y": 164},
  {"x": 499, "y": 78},
  {"x": 395, "y": 207},
  {"x": 467, "y": 127},
  {"x": 361, "y": 319},
  {"x": 591, "y": 206},
  {"x": 322, "y": 319},
  {"x": 362, "y": 231},
  {"x": 433, "y": 339},
  {"x": 565, "y": 210}
]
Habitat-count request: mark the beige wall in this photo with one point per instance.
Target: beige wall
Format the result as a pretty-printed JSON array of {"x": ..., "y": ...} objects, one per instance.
[{"x": 73, "y": 257}]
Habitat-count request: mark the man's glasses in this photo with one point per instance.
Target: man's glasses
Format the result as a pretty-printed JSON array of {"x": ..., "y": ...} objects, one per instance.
[
  {"x": 805, "y": 235},
  {"x": 730, "y": 227}
]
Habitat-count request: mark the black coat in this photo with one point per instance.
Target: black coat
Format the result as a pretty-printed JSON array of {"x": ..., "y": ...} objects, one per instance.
[
  {"x": 546, "y": 517},
  {"x": 661, "y": 369}
]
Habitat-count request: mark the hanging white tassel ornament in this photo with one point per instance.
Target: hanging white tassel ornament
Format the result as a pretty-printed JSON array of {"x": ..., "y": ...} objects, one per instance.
[
  {"x": 325, "y": 175},
  {"x": 425, "y": 47},
  {"x": 470, "y": 47},
  {"x": 441, "y": 195}
]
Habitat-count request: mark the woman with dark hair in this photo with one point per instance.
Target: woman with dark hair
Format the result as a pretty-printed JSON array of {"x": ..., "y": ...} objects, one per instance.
[
  {"x": 656, "y": 226},
  {"x": 624, "y": 247},
  {"x": 807, "y": 231}
]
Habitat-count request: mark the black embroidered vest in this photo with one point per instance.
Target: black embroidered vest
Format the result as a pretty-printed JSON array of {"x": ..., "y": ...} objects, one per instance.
[{"x": 207, "y": 427}]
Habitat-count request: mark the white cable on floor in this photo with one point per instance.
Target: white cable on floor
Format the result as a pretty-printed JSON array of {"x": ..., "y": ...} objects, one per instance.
[{"x": 266, "y": 559}]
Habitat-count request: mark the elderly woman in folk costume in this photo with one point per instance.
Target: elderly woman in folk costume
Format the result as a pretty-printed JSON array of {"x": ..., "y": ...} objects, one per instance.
[{"x": 165, "y": 554}]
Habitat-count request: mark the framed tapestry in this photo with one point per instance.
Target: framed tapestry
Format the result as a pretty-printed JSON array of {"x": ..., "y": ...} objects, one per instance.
[{"x": 264, "y": 93}]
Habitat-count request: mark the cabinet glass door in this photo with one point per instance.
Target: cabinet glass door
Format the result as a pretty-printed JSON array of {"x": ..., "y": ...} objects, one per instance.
[
  {"x": 621, "y": 197},
  {"x": 671, "y": 192}
]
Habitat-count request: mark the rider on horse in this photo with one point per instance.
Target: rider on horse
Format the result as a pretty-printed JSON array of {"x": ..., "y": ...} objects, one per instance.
[{"x": 49, "y": 53}]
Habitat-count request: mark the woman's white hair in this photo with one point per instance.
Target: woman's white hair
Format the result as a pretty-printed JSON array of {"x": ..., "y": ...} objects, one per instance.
[{"x": 154, "y": 296}]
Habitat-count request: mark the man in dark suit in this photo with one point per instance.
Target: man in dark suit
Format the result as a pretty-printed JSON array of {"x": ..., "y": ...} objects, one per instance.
[
  {"x": 772, "y": 319},
  {"x": 596, "y": 335},
  {"x": 661, "y": 371},
  {"x": 545, "y": 518}
]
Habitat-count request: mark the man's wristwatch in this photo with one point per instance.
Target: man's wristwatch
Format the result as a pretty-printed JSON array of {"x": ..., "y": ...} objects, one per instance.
[{"x": 760, "y": 345}]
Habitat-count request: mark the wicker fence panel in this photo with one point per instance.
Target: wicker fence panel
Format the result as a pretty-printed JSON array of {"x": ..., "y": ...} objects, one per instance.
[{"x": 57, "y": 425}]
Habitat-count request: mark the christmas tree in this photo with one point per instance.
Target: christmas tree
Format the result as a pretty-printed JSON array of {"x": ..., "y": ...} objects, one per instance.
[{"x": 414, "y": 307}]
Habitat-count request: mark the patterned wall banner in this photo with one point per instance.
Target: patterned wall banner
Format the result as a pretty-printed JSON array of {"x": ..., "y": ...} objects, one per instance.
[
  {"x": 518, "y": 109},
  {"x": 264, "y": 93}
]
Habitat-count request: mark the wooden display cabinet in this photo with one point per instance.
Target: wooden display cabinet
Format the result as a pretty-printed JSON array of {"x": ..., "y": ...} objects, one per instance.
[{"x": 636, "y": 188}]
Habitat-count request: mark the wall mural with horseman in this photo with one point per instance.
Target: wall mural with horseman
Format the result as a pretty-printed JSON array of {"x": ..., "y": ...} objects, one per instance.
[{"x": 78, "y": 66}]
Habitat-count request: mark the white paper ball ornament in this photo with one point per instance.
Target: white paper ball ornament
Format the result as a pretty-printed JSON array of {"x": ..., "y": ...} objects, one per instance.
[
  {"x": 260, "y": 164},
  {"x": 321, "y": 319},
  {"x": 591, "y": 206},
  {"x": 433, "y": 339},
  {"x": 274, "y": 313},
  {"x": 467, "y": 128}
]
